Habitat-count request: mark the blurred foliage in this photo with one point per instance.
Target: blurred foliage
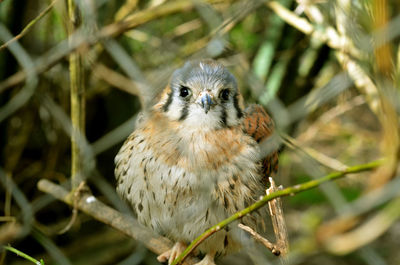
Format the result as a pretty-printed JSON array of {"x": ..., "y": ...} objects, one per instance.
[{"x": 324, "y": 120}]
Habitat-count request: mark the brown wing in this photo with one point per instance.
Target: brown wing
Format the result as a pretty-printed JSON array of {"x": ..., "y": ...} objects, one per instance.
[{"x": 259, "y": 125}]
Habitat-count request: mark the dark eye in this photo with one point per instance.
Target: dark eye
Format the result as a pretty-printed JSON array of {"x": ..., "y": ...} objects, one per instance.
[
  {"x": 184, "y": 92},
  {"x": 224, "y": 94}
]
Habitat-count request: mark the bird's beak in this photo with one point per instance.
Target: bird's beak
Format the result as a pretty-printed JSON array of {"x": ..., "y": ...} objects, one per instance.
[{"x": 205, "y": 101}]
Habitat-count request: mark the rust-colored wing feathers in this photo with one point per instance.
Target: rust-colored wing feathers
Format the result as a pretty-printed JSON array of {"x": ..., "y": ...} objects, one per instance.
[{"x": 259, "y": 125}]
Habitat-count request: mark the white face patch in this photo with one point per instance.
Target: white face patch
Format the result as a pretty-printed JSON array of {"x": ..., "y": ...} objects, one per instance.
[{"x": 198, "y": 118}]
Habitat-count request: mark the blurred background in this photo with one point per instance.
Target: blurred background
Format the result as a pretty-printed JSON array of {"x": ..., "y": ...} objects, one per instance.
[{"x": 328, "y": 72}]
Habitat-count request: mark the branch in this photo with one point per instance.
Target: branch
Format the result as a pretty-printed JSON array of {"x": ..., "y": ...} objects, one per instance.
[
  {"x": 280, "y": 193},
  {"x": 272, "y": 247},
  {"x": 29, "y": 26},
  {"x": 88, "y": 204},
  {"x": 278, "y": 221}
]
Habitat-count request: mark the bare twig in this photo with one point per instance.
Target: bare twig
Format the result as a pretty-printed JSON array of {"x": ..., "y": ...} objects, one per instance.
[
  {"x": 278, "y": 221},
  {"x": 261, "y": 239},
  {"x": 280, "y": 248},
  {"x": 29, "y": 26},
  {"x": 77, "y": 194}
]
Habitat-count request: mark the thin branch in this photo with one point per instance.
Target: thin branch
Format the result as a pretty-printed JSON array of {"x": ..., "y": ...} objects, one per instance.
[
  {"x": 281, "y": 246},
  {"x": 280, "y": 193},
  {"x": 77, "y": 194},
  {"x": 29, "y": 26},
  {"x": 261, "y": 239},
  {"x": 278, "y": 221}
]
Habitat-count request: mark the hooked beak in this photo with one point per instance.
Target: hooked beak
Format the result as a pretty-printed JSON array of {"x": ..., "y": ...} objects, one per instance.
[{"x": 205, "y": 101}]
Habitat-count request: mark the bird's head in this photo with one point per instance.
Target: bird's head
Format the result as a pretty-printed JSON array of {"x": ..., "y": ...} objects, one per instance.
[{"x": 203, "y": 93}]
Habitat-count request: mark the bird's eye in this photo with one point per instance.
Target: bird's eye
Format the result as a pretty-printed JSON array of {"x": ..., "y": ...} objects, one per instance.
[
  {"x": 184, "y": 92},
  {"x": 224, "y": 94}
]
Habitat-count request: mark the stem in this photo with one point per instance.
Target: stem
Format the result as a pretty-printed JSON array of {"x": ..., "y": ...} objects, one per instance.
[
  {"x": 77, "y": 98},
  {"x": 280, "y": 193},
  {"x": 25, "y": 256},
  {"x": 29, "y": 26}
]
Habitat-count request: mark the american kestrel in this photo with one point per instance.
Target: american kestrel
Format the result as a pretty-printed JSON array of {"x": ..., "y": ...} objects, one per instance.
[{"x": 195, "y": 159}]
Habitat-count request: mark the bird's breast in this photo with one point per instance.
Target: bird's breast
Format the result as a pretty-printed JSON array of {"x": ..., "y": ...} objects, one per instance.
[{"x": 200, "y": 149}]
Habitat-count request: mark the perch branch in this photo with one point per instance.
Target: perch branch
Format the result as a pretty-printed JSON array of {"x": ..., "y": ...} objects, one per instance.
[
  {"x": 88, "y": 204},
  {"x": 280, "y": 193}
]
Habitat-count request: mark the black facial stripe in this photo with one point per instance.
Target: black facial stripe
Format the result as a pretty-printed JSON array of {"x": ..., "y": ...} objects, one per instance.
[
  {"x": 169, "y": 101},
  {"x": 185, "y": 111},
  {"x": 239, "y": 112},
  {"x": 223, "y": 115}
]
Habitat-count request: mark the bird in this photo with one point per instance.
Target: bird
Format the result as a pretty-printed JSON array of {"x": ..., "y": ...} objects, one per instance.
[{"x": 194, "y": 159}]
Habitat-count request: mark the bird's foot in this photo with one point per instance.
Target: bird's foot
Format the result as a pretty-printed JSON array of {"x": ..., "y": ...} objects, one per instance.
[
  {"x": 172, "y": 253},
  {"x": 207, "y": 260}
]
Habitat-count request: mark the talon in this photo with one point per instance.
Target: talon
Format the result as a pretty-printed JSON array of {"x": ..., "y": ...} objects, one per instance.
[
  {"x": 172, "y": 253},
  {"x": 164, "y": 256}
]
